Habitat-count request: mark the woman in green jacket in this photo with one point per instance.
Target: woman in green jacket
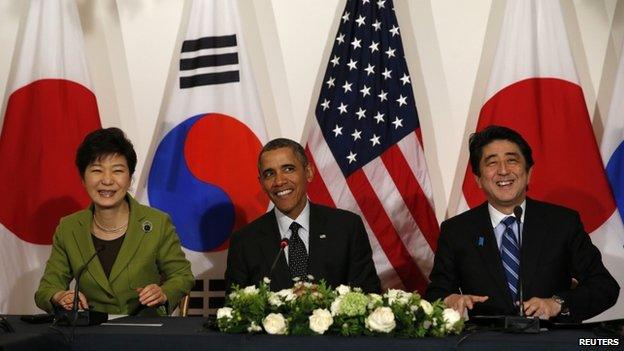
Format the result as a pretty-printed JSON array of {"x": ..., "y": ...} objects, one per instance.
[{"x": 139, "y": 265}]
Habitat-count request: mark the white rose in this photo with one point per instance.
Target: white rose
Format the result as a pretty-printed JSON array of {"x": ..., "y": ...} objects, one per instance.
[
  {"x": 373, "y": 299},
  {"x": 287, "y": 294},
  {"x": 426, "y": 306},
  {"x": 450, "y": 317},
  {"x": 254, "y": 328},
  {"x": 404, "y": 298},
  {"x": 275, "y": 300},
  {"x": 380, "y": 320},
  {"x": 392, "y": 295},
  {"x": 335, "y": 306},
  {"x": 274, "y": 323},
  {"x": 266, "y": 280},
  {"x": 251, "y": 290},
  {"x": 224, "y": 312},
  {"x": 343, "y": 289},
  {"x": 399, "y": 296},
  {"x": 284, "y": 292},
  {"x": 233, "y": 295},
  {"x": 320, "y": 320}
]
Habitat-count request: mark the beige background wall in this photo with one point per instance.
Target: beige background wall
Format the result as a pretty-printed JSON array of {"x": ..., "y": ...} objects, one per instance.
[{"x": 448, "y": 43}]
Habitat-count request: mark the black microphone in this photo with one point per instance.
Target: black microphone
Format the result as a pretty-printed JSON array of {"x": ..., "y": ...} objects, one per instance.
[
  {"x": 517, "y": 323},
  {"x": 75, "y": 318},
  {"x": 77, "y": 278},
  {"x": 283, "y": 244},
  {"x": 518, "y": 213},
  {"x": 521, "y": 323}
]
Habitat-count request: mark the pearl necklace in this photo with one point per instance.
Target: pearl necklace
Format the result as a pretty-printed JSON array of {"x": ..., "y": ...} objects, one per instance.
[{"x": 108, "y": 230}]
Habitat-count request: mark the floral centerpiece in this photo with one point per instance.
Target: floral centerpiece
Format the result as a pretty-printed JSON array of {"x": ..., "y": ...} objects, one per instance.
[{"x": 313, "y": 309}]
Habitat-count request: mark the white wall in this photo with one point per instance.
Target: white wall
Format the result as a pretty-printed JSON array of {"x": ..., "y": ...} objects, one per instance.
[{"x": 448, "y": 46}]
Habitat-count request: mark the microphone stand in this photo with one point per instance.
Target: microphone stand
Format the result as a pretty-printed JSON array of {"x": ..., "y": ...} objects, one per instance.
[
  {"x": 518, "y": 214},
  {"x": 283, "y": 244},
  {"x": 77, "y": 286},
  {"x": 75, "y": 318},
  {"x": 79, "y": 273},
  {"x": 521, "y": 323}
]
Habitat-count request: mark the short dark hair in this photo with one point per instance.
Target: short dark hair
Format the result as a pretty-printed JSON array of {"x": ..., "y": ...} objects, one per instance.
[
  {"x": 104, "y": 142},
  {"x": 284, "y": 142},
  {"x": 491, "y": 133}
]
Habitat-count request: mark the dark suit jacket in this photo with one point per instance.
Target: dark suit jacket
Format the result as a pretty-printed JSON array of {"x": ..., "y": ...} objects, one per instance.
[
  {"x": 339, "y": 252},
  {"x": 555, "y": 249}
]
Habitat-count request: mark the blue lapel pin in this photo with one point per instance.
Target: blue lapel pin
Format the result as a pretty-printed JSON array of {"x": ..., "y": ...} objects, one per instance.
[{"x": 480, "y": 241}]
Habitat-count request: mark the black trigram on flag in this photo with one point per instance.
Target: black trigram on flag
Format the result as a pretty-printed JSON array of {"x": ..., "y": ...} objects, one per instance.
[
  {"x": 209, "y": 61},
  {"x": 206, "y": 296}
]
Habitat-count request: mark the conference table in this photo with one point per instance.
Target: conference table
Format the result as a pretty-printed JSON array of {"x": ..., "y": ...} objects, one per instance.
[{"x": 188, "y": 333}]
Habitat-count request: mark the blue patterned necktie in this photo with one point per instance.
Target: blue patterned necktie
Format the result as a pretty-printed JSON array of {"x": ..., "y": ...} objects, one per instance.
[
  {"x": 510, "y": 255},
  {"x": 297, "y": 254}
]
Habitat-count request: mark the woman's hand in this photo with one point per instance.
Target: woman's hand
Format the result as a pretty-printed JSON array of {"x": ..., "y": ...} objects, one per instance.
[
  {"x": 65, "y": 299},
  {"x": 151, "y": 295}
]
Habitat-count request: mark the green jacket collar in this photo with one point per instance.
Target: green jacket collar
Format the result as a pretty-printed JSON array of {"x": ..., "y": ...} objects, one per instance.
[{"x": 132, "y": 241}]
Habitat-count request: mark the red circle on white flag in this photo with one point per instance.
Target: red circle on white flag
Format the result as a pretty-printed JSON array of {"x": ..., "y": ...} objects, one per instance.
[
  {"x": 552, "y": 116},
  {"x": 45, "y": 121}
]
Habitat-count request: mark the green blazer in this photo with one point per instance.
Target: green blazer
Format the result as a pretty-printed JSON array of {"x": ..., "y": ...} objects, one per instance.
[{"x": 147, "y": 255}]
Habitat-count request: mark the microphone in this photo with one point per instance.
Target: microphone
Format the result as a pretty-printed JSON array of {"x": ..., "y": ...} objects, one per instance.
[
  {"x": 517, "y": 323},
  {"x": 283, "y": 244},
  {"x": 518, "y": 214},
  {"x": 521, "y": 323},
  {"x": 75, "y": 318},
  {"x": 79, "y": 272}
]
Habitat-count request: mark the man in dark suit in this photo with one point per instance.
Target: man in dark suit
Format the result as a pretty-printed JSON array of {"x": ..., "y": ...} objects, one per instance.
[
  {"x": 323, "y": 242},
  {"x": 479, "y": 258}
]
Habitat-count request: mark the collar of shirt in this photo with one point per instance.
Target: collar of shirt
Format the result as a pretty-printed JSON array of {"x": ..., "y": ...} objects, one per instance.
[
  {"x": 496, "y": 217},
  {"x": 284, "y": 222}
]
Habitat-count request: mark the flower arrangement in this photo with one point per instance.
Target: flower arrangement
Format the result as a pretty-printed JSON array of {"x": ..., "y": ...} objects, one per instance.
[{"x": 314, "y": 309}]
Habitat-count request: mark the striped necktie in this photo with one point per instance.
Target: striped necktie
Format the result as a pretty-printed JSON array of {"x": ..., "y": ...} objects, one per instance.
[{"x": 510, "y": 256}]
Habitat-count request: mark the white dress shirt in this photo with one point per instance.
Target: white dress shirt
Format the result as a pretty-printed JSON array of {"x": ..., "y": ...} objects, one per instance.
[
  {"x": 284, "y": 222},
  {"x": 499, "y": 228}
]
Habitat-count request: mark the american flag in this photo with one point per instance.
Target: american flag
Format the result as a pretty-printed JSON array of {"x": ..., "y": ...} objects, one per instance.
[{"x": 366, "y": 145}]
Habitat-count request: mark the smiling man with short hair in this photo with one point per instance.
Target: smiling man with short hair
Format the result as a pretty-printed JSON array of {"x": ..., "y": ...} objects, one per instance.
[
  {"x": 483, "y": 252},
  {"x": 323, "y": 242}
]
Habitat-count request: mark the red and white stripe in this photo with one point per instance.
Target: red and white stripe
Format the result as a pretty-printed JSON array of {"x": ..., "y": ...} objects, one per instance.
[{"x": 392, "y": 194}]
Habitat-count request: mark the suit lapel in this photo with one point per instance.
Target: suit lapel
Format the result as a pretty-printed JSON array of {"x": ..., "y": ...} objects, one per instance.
[
  {"x": 317, "y": 244},
  {"x": 82, "y": 235},
  {"x": 531, "y": 241},
  {"x": 489, "y": 251},
  {"x": 132, "y": 241},
  {"x": 269, "y": 247}
]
